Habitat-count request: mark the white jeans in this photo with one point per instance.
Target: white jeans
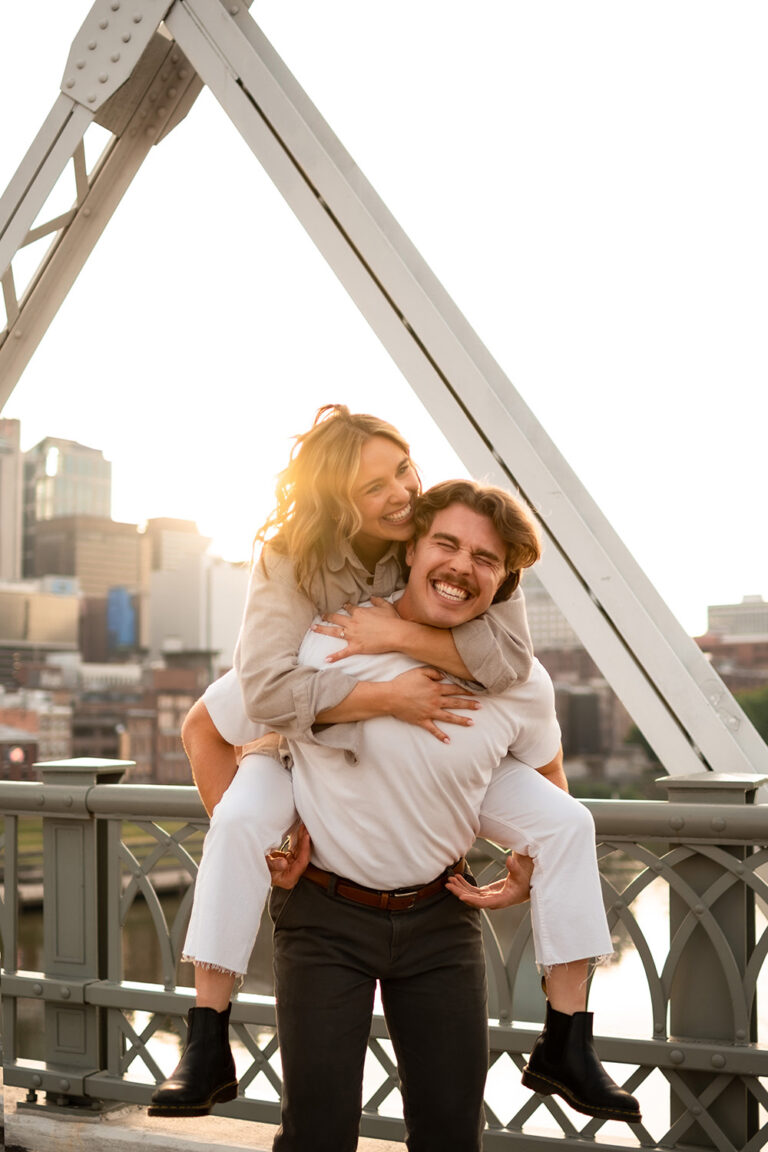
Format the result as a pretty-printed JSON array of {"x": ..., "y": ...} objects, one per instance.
[{"x": 521, "y": 810}]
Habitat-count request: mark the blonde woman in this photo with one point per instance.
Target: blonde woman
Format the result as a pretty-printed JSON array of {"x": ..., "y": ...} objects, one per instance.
[{"x": 336, "y": 538}]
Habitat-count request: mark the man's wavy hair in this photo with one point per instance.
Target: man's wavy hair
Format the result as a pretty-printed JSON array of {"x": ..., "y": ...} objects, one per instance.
[
  {"x": 315, "y": 512},
  {"x": 514, "y": 524}
]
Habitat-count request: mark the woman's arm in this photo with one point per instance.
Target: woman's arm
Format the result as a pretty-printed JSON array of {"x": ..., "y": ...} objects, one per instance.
[
  {"x": 419, "y": 697},
  {"x": 277, "y": 690},
  {"x": 493, "y": 651},
  {"x": 290, "y": 698}
]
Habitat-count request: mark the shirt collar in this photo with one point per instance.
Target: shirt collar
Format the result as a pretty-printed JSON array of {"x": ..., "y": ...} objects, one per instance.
[{"x": 346, "y": 555}]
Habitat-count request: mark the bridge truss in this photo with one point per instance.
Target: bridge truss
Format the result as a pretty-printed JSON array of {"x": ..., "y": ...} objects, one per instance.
[{"x": 136, "y": 69}]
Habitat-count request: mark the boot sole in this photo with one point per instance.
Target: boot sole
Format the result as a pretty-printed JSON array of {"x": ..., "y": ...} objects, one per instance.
[
  {"x": 546, "y": 1087},
  {"x": 221, "y": 1096}
]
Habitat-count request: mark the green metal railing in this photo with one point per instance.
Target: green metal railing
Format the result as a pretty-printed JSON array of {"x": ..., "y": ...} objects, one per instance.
[{"x": 707, "y": 844}]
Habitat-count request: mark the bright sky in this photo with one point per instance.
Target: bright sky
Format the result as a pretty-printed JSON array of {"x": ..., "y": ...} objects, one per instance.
[{"x": 588, "y": 180}]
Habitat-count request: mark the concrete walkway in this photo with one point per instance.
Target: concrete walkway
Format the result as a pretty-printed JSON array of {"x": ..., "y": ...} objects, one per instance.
[{"x": 130, "y": 1129}]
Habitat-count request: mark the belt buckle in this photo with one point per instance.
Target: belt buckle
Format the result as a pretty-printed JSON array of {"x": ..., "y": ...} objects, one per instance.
[{"x": 399, "y": 895}]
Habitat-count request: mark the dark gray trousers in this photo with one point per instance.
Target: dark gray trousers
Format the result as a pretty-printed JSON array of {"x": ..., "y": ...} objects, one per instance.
[{"x": 329, "y": 954}]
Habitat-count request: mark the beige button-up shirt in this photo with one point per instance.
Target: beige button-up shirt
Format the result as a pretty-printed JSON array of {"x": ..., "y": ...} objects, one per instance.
[{"x": 279, "y": 692}]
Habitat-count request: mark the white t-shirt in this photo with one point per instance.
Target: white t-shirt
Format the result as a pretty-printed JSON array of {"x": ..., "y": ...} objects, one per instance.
[{"x": 407, "y": 806}]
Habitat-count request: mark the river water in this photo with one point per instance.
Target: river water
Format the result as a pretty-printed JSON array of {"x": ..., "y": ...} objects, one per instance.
[{"x": 619, "y": 997}]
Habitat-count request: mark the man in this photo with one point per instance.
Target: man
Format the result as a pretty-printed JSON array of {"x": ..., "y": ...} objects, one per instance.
[
  {"x": 393, "y": 823},
  {"x": 388, "y": 828}
]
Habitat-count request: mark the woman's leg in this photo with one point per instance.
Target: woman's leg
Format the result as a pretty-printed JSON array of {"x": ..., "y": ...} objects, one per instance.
[
  {"x": 211, "y": 757},
  {"x": 252, "y": 816},
  {"x": 524, "y": 811},
  {"x": 232, "y": 884}
]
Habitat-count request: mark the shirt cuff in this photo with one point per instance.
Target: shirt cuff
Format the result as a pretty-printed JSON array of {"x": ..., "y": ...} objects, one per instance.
[{"x": 315, "y": 695}]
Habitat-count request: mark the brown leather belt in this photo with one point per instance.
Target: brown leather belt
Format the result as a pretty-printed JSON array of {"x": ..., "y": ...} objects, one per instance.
[{"x": 397, "y": 900}]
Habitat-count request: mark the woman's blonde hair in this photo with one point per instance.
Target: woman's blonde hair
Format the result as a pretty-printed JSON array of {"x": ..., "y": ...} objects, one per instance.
[{"x": 315, "y": 511}]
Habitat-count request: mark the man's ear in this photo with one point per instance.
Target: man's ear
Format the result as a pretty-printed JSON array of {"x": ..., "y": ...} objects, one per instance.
[{"x": 410, "y": 548}]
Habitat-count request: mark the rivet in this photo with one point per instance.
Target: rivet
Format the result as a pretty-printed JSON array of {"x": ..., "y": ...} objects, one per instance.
[
  {"x": 126, "y": 37},
  {"x": 162, "y": 110},
  {"x": 115, "y": 5},
  {"x": 92, "y": 98},
  {"x": 676, "y": 1056},
  {"x": 718, "y": 824},
  {"x": 617, "y": 907},
  {"x": 234, "y": 9},
  {"x": 739, "y": 869},
  {"x": 164, "y": 75},
  {"x": 91, "y": 45},
  {"x": 656, "y": 866},
  {"x": 103, "y": 77},
  {"x": 68, "y": 801},
  {"x": 103, "y": 24},
  {"x": 149, "y": 131},
  {"x": 695, "y": 1109},
  {"x": 740, "y": 1034},
  {"x": 115, "y": 57},
  {"x": 37, "y": 989},
  {"x": 65, "y": 993},
  {"x": 80, "y": 64},
  {"x": 718, "y": 1060},
  {"x": 70, "y": 83},
  {"x": 172, "y": 93},
  {"x": 699, "y": 910},
  {"x": 183, "y": 73},
  {"x": 174, "y": 58},
  {"x": 658, "y": 1027},
  {"x": 137, "y": 19},
  {"x": 64, "y": 1085},
  {"x": 677, "y": 823},
  {"x": 37, "y": 1081},
  {"x": 153, "y": 96},
  {"x": 86, "y": 212}
]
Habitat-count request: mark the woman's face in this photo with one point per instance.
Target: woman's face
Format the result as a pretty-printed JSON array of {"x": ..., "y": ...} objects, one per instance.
[{"x": 384, "y": 490}]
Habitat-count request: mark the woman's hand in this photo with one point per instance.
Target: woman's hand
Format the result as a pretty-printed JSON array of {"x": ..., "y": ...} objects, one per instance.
[
  {"x": 365, "y": 630},
  {"x": 421, "y": 697},
  {"x": 515, "y": 888}
]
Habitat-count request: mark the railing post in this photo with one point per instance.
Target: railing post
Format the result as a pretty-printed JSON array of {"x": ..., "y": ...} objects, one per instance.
[
  {"x": 712, "y": 936},
  {"x": 74, "y": 928}
]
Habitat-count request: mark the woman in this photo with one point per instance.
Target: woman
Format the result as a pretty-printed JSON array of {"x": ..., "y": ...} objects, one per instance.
[{"x": 344, "y": 510}]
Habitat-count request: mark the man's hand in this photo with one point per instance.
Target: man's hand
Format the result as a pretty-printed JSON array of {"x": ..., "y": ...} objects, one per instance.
[
  {"x": 515, "y": 888},
  {"x": 286, "y": 866}
]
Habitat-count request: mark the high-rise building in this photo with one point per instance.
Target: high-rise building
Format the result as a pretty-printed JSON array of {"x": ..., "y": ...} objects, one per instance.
[
  {"x": 62, "y": 478},
  {"x": 173, "y": 542},
  {"x": 10, "y": 500}
]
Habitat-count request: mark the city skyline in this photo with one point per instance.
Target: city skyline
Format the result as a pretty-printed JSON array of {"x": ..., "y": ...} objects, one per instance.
[{"x": 610, "y": 253}]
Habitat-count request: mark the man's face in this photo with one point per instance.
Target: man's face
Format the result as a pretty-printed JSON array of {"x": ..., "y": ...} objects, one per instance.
[{"x": 456, "y": 569}]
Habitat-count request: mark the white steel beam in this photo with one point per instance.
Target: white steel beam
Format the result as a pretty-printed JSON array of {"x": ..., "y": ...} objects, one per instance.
[
  {"x": 121, "y": 73},
  {"x": 665, "y": 682}
]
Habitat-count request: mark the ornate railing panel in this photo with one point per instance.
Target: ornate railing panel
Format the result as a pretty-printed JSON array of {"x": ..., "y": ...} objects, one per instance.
[{"x": 698, "y": 1048}]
